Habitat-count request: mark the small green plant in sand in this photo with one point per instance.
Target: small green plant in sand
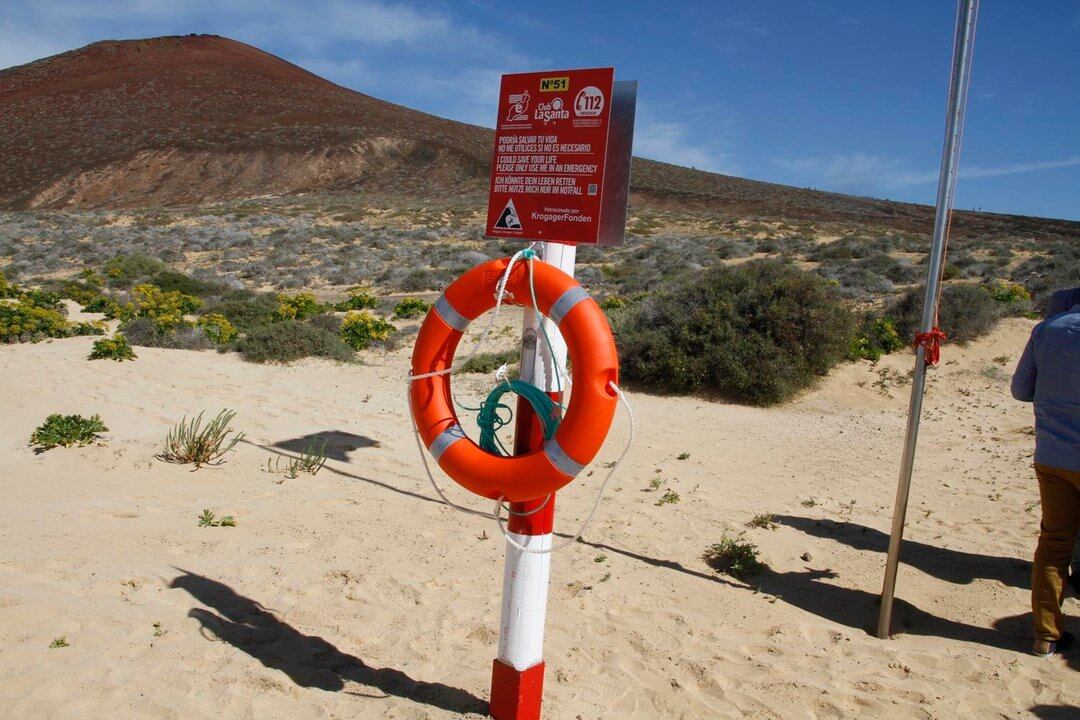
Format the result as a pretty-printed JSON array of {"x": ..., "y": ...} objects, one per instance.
[
  {"x": 654, "y": 484},
  {"x": 60, "y": 642},
  {"x": 311, "y": 461},
  {"x": 683, "y": 456},
  {"x": 733, "y": 556},
  {"x": 670, "y": 497},
  {"x": 114, "y": 348},
  {"x": 599, "y": 558},
  {"x": 764, "y": 521},
  {"x": 65, "y": 431},
  {"x": 409, "y": 308},
  {"x": 190, "y": 443},
  {"x": 809, "y": 503},
  {"x": 208, "y": 519}
]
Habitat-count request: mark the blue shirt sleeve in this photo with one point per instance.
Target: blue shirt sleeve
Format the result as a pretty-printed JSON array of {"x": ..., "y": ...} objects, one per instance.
[{"x": 1023, "y": 380}]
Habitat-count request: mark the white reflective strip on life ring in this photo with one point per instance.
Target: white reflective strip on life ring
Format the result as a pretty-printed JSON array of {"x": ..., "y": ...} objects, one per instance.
[
  {"x": 445, "y": 439},
  {"x": 451, "y": 316},
  {"x": 563, "y": 463},
  {"x": 566, "y": 303}
]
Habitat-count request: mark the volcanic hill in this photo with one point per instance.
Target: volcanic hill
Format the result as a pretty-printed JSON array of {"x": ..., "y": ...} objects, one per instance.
[{"x": 198, "y": 118}]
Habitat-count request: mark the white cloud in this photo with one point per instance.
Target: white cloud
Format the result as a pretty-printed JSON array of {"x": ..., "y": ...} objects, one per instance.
[
  {"x": 977, "y": 171},
  {"x": 670, "y": 142},
  {"x": 864, "y": 174}
]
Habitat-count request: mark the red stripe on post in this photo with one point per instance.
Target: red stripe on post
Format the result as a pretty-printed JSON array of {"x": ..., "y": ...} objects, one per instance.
[{"x": 516, "y": 695}]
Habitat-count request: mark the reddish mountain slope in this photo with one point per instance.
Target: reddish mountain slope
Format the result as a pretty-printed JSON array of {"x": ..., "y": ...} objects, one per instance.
[
  {"x": 185, "y": 119},
  {"x": 177, "y": 120}
]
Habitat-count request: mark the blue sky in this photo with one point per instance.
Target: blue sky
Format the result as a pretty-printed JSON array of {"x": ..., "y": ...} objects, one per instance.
[{"x": 845, "y": 96}]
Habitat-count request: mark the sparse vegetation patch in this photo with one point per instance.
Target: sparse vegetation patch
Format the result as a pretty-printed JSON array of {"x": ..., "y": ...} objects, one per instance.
[
  {"x": 65, "y": 431},
  {"x": 733, "y": 556},
  {"x": 189, "y": 442}
]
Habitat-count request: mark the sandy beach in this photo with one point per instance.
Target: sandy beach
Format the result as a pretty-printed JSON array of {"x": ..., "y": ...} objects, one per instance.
[{"x": 355, "y": 594}]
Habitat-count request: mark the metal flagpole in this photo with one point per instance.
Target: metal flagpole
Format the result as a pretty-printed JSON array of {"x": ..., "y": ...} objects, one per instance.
[{"x": 963, "y": 45}]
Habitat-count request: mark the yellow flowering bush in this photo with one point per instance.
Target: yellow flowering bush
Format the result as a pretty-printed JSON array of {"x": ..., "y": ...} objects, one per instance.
[
  {"x": 360, "y": 329},
  {"x": 218, "y": 328},
  {"x": 298, "y": 307}
]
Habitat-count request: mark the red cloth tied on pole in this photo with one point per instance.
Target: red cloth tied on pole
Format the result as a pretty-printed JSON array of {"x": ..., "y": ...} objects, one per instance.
[{"x": 931, "y": 343}]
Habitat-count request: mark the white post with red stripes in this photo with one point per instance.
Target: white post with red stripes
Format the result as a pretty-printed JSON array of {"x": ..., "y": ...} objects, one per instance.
[{"x": 517, "y": 678}]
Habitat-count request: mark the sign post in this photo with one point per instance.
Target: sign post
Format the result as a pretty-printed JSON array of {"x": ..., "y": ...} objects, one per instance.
[{"x": 560, "y": 174}]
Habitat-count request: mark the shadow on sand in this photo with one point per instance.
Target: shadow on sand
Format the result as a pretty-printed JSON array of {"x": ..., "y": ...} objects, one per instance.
[
  {"x": 856, "y": 609},
  {"x": 309, "y": 661},
  {"x": 338, "y": 443},
  {"x": 953, "y": 566}
]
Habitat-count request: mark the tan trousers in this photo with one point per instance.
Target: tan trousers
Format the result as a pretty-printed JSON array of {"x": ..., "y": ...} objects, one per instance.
[{"x": 1059, "y": 491}]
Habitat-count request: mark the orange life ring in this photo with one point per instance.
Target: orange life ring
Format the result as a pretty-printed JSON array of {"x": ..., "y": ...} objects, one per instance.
[{"x": 592, "y": 401}]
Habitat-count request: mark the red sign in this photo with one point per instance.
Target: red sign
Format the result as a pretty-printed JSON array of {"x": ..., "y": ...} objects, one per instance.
[{"x": 551, "y": 143}]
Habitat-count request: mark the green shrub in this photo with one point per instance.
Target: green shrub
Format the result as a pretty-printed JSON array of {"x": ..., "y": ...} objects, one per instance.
[
  {"x": 114, "y": 348},
  {"x": 65, "y": 431},
  {"x": 246, "y": 311},
  {"x": 410, "y": 308},
  {"x": 43, "y": 299},
  {"x": 489, "y": 362},
  {"x": 218, "y": 328},
  {"x": 755, "y": 333},
  {"x": 102, "y": 304},
  {"x": 877, "y": 337},
  {"x": 327, "y": 321},
  {"x": 965, "y": 312},
  {"x": 360, "y": 329},
  {"x": 290, "y": 340},
  {"x": 298, "y": 307},
  {"x": 94, "y": 327},
  {"x": 123, "y": 270},
  {"x": 360, "y": 298},
  {"x": 146, "y": 332},
  {"x": 733, "y": 556},
  {"x": 79, "y": 291},
  {"x": 172, "y": 281}
]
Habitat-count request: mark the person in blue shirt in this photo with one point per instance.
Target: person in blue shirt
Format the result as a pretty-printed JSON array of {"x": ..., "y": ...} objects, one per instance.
[
  {"x": 1049, "y": 376},
  {"x": 1062, "y": 300}
]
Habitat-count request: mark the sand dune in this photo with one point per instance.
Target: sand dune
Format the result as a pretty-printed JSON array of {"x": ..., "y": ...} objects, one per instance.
[{"x": 355, "y": 594}]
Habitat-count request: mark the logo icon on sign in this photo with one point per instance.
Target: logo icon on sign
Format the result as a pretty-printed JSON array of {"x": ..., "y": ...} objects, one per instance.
[
  {"x": 508, "y": 219},
  {"x": 589, "y": 102},
  {"x": 519, "y": 107}
]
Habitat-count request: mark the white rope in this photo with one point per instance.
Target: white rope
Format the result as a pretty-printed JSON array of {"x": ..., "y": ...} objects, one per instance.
[
  {"x": 596, "y": 503},
  {"x": 500, "y": 293},
  {"x": 427, "y": 468}
]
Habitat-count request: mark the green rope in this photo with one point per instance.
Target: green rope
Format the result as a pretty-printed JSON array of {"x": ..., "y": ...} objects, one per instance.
[{"x": 490, "y": 420}]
